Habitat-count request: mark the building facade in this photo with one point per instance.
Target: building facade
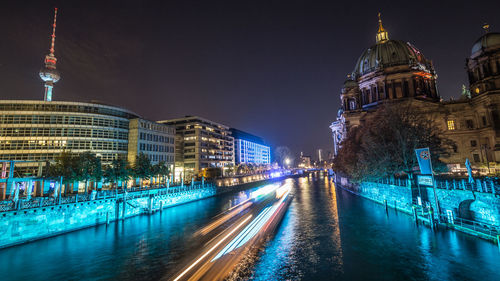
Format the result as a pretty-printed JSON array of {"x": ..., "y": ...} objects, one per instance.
[
  {"x": 35, "y": 131},
  {"x": 200, "y": 144},
  {"x": 153, "y": 139},
  {"x": 250, "y": 149},
  {"x": 41, "y": 130},
  {"x": 394, "y": 71}
]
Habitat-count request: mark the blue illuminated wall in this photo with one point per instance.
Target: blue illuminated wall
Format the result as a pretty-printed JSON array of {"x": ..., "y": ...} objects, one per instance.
[
  {"x": 250, "y": 149},
  {"x": 251, "y": 152}
]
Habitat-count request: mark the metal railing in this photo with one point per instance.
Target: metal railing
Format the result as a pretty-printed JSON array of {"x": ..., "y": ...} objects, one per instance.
[
  {"x": 493, "y": 231},
  {"x": 479, "y": 185},
  {"x": 131, "y": 193},
  {"x": 484, "y": 228}
]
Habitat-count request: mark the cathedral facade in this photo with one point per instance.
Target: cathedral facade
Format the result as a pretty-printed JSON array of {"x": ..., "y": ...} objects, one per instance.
[{"x": 394, "y": 71}]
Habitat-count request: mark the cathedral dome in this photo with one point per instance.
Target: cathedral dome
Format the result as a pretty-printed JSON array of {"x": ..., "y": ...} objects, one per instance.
[
  {"x": 490, "y": 40},
  {"x": 387, "y": 54}
]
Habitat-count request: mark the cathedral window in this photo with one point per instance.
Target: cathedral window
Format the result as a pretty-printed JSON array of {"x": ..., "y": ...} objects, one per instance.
[
  {"x": 469, "y": 123},
  {"x": 352, "y": 105},
  {"x": 451, "y": 125},
  {"x": 476, "y": 158}
]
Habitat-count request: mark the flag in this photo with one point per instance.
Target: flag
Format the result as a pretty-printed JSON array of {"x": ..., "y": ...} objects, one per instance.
[
  {"x": 424, "y": 160},
  {"x": 469, "y": 170}
]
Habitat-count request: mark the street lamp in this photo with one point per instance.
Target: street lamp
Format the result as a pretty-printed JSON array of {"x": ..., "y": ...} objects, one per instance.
[{"x": 287, "y": 161}]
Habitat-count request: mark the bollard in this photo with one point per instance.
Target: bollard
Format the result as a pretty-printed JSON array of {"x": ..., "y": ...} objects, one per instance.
[
  {"x": 498, "y": 241},
  {"x": 385, "y": 203},
  {"x": 415, "y": 214},
  {"x": 107, "y": 217},
  {"x": 123, "y": 209},
  {"x": 161, "y": 206},
  {"x": 431, "y": 218}
]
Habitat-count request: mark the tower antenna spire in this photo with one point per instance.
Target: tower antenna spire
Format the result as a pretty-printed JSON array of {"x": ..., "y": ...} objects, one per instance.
[
  {"x": 53, "y": 43},
  {"x": 49, "y": 73}
]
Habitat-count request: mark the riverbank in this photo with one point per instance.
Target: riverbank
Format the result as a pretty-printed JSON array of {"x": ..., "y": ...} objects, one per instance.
[
  {"x": 452, "y": 203},
  {"x": 38, "y": 220}
]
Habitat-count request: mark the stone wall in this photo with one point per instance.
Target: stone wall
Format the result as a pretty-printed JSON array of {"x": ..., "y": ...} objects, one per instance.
[
  {"x": 478, "y": 206},
  {"x": 30, "y": 224},
  {"x": 397, "y": 197},
  {"x": 472, "y": 205}
]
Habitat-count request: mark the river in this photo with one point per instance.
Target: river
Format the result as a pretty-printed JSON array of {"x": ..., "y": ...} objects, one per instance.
[{"x": 326, "y": 234}]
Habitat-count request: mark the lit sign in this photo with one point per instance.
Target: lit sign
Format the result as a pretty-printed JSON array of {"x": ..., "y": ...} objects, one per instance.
[{"x": 424, "y": 180}]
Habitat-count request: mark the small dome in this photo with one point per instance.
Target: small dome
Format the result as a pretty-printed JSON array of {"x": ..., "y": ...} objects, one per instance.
[
  {"x": 487, "y": 41},
  {"x": 349, "y": 83},
  {"x": 387, "y": 54}
]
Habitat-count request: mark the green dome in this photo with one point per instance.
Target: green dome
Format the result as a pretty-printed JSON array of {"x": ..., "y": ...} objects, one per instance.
[
  {"x": 489, "y": 40},
  {"x": 387, "y": 54},
  {"x": 349, "y": 83}
]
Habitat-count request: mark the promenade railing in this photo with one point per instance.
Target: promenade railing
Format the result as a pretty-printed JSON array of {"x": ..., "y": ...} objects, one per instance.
[
  {"x": 479, "y": 185},
  {"x": 129, "y": 193}
]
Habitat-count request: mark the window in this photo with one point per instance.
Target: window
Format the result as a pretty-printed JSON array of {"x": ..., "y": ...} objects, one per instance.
[
  {"x": 473, "y": 143},
  {"x": 451, "y": 125},
  {"x": 352, "y": 105},
  {"x": 476, "y": 158},
  {"x": 469, "y": 123},
  {"x": 484, "y": 120}
]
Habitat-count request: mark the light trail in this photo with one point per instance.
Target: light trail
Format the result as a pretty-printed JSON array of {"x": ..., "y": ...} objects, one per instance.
[
  {"x": 264, "y": 190},
  {"x": 211, "y": 249},
  {"x": 231, "y": 246},
  {"x": 253, "y": 228},
  {"x": 239, "y": 204},
  {"x": 225, "y": 218}
]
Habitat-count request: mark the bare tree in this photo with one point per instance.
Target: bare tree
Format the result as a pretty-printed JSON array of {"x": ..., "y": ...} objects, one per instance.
[
  {"x": 281, "y": 153},
  {"x": 384, "y": 144}
]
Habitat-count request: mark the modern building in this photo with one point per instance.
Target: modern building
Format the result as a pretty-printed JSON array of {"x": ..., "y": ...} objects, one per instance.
[
  {"x": 200, "y": 144},
  {"x": 305, "y": 161},
  {"x": 152, "y": 139},
  {"x": 37, "y": 131},
  {"x": 40, "y": 130},
  {"x": 250, "y": 149},
  {"x": 393, "y": 72}
]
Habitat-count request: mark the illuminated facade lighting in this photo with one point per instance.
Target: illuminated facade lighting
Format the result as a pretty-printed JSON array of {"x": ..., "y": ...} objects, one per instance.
[{"x": 250, "y": 149}]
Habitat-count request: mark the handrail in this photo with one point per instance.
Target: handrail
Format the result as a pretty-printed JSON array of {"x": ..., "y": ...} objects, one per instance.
[{"x": 37, "y": 202}]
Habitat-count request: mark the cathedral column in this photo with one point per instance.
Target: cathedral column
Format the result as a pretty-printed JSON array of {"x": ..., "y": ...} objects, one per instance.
[{"x": 411, "y": 87}]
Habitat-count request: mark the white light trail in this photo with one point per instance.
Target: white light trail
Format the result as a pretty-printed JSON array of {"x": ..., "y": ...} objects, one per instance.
[{"x": 211, "y": 249}]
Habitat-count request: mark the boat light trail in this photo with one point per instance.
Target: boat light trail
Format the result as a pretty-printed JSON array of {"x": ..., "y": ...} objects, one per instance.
[
  {"x": 211, "y": 249},
  {"x": 224, "y": 218},
  {"x": 263, "y": 190},
  {"x": 253, "y": 228}
]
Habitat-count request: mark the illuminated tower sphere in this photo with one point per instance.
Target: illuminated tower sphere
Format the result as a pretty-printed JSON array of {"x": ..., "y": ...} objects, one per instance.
[
  {"x": 49, "y": 73},
  {"x": 483, "y": 65}
]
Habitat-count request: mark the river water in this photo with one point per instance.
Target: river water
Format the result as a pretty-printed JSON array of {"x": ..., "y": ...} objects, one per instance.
[{"x": 327, "y": 234}]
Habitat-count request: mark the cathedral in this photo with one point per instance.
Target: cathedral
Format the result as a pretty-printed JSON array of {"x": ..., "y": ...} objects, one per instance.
[{"x": 394, "y": 71}]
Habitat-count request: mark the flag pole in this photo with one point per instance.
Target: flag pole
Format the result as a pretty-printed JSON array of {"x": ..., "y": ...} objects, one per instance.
[{"x": 438, "y": 209}]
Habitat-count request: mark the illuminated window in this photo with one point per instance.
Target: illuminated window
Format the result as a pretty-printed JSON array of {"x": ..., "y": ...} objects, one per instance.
[
  {"x": 451, "y": 125},
  {"x": 477, "y": 90}
]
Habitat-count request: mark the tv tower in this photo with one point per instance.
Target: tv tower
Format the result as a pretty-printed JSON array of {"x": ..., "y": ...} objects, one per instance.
[{"x": 49, "y": 73}]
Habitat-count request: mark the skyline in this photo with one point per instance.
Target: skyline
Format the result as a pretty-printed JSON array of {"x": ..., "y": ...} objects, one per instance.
[{"x": 268, "y": 60}]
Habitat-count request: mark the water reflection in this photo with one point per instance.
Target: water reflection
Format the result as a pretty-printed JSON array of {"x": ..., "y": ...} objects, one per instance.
[
  {"x": 327, "y": 234},
  {"x": 338, "y": 236}
]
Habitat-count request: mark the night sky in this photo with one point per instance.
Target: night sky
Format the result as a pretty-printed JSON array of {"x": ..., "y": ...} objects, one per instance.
[{"x": 272, "y": 68}]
